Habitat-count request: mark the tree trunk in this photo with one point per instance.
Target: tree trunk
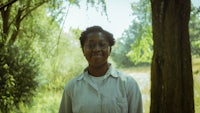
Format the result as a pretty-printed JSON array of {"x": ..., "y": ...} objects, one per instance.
[{"x": 171, "y": 70}]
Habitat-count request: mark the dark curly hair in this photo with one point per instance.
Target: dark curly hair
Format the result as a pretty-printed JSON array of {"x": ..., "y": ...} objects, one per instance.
[{"x": 108, "y": 35}]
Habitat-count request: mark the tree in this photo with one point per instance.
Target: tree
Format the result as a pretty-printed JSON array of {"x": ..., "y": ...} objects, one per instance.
[
  {"x": 171, "y": 69},
  {"x": 12, "y": 16},
  {"x": 14, "y": 12},
  {"x": 19, "y": 66}
]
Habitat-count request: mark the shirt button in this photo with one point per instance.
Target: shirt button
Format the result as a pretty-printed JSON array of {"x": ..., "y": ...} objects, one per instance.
[{"x": 99, "y": 95}]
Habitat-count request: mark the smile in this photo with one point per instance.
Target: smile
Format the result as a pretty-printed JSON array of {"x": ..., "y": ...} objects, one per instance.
[{"x": 97, "y": 55}]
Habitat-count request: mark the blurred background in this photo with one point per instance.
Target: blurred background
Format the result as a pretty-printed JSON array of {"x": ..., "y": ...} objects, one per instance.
[{"x": 40, "y": 50}]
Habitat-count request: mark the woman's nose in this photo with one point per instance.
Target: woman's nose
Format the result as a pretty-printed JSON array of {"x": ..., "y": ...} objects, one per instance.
[{"x": 97, "y": 47}]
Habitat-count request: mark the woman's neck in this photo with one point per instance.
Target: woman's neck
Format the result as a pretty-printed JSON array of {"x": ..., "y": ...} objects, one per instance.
[{"x": 98, "y": 71}]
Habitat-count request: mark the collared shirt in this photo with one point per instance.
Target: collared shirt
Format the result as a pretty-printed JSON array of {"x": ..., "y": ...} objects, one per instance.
[{"x": 117, "y": 93}]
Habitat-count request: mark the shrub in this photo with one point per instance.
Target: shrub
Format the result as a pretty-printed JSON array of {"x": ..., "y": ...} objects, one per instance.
[{"x": 18, "y": 69}]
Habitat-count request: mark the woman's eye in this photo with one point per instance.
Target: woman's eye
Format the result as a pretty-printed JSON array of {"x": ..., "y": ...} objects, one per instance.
[
  {"x": 89, "y": 46},
  {"x": 104, "y": 45},
  {"x": 93, "y": 45}
]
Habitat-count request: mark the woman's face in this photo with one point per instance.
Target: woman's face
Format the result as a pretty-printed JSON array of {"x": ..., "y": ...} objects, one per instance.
[{"x": 96, "y": 49}]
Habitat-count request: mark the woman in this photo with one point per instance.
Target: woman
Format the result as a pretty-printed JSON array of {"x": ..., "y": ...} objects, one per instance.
[{"x": 100, "y": 88}]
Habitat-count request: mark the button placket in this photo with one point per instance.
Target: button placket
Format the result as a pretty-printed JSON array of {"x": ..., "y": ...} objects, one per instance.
[{"x": 99, "y": 101}]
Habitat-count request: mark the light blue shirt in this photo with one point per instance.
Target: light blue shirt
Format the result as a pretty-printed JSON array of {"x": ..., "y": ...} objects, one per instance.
[{"x": 115, "y": 93}]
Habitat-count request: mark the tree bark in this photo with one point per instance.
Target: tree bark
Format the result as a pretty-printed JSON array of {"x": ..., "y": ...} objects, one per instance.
[{"x": 171, "y": 70}]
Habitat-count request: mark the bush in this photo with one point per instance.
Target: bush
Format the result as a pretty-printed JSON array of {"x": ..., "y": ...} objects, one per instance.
[{"x": 18, "y": 69}]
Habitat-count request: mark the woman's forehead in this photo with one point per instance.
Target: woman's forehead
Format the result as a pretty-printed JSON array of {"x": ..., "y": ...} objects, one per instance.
[{"x": 96, "y": 35}]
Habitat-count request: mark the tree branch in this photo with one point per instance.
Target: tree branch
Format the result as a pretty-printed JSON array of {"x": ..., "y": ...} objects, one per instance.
[
  {"x": 19, "y": 17},
  {"x": 30, "y": 10},
  {"x": 2, "y": 6}
]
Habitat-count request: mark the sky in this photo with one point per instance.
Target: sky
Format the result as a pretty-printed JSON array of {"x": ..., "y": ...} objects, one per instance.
[
  {"x": 119, "y": 16},
  {"x": 116, "y": 22}
]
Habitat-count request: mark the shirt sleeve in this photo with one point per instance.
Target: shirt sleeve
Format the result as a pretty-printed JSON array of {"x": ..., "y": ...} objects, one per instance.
[
  {"x": 66, "y": 104},
  {"x": 134, "y": 97}
]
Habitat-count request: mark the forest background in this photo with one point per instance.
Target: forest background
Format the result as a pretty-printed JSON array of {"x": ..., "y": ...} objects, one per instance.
[{"x": 38, "y": 58}]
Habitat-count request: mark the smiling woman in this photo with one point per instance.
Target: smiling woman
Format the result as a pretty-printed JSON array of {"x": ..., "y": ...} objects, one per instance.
[{"x": 100, "y": 88}]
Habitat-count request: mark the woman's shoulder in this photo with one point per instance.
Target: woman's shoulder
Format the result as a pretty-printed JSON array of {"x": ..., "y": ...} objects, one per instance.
[
  {"x": 122, "y": 75},
  {"x": 125, "y": 77},
  {"x": 73, "y": 81}
]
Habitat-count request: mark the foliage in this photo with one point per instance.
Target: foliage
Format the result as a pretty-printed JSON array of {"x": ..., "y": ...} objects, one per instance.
[
  {"x": 54, "y": 72},
  {"x": 119, "y": 51},
  {"x": 26, "y": 34},
  {"x": 18, "y": 71},
  {"x": 141, "y": 48},
  {"x": 18, "y": 81},
  {"x": 194, "y": 31},
  {"x": 12, "y": 17},
  {"x": 57, "y": 65},
  {"x": 64, "y": 64},
  {"x": 13, "y": 14},
  {"x": 135, "y": 45}
]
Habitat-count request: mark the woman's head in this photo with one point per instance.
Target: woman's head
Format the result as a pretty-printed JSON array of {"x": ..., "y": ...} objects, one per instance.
[
  {"x": 109, "y": 36},
  {"x": 96, "y": 44}
]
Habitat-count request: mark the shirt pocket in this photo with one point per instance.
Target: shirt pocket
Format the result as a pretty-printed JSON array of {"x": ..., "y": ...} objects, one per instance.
[
  {"x": 122, "y": 104},
  {"x": 115, "y": 105}
]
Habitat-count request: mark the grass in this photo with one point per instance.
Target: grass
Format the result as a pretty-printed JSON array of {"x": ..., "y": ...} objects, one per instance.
[
  {"x": 44, "y": 102},
  {"x": 196, "y": 66},
  {"x": 197, "y": 93},
  {"x": 196, "y": 72}
]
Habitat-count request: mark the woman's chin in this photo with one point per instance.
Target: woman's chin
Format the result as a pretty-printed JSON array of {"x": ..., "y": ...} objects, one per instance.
[{"x": 98, "y": 65}]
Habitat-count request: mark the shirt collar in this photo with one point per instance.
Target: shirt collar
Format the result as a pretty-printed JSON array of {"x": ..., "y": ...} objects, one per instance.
[{"x": 111, "y": 72}]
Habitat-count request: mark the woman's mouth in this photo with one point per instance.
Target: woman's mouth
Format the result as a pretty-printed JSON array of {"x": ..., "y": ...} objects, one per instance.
[{"x": 97, "y": 55}]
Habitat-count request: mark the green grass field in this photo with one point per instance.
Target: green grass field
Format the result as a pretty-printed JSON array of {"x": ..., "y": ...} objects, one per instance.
[{"x": 196, "y": 73}]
